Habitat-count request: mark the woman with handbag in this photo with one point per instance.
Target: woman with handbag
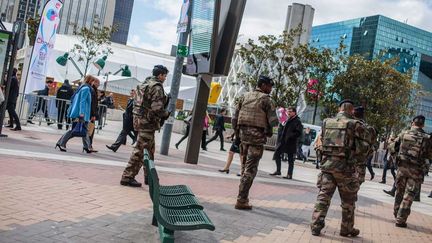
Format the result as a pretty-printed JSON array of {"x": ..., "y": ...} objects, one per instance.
[{"x": 79, "y": 112}]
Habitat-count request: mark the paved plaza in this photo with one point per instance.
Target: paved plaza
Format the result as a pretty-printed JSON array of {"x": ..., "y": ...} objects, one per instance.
[{"x": 50, "y": 196}]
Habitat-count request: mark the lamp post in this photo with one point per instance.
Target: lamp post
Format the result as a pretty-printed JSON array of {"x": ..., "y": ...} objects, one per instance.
[{"x": 62, "y": 61}]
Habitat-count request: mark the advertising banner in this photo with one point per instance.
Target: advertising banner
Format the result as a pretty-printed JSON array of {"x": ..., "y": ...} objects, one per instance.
[
  {"x": 44, "y": 44},
  {"x": 183, "y": 21},
  {"x": 4, "y": 43}
]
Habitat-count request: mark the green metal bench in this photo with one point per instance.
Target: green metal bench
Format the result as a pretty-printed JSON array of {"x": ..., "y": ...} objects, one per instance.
[{"x": 171, "y": 219}]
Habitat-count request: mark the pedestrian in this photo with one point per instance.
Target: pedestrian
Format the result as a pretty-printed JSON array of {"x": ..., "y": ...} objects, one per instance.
[
  {"x": 63, "y": 96},
  {"x": 206, "y": 125},
  {"x": 318, "y": 151},
  {"x": 414, "y": 148},
  {"x": 339, "y": 135},
  {"x": 218, "y": 129},
  {"x": 12, "y": 101},
  {"x": 148, "y": 112},
  {"x": 235, "y": 148},
  {"x": 127, "y": 125},
  {"x": 388, "y": 163},
  {"x": 369, "y": 164},
  {"x": 41, "y": 104},
  {"x": 254, "y": 119},
  {"x": 369, "y": 140},
  {"x": 79, "y": 111},
  {"x": 307, "y": 140},
  {"x": 93, "y": 113},
  {"x": 288, "y": 144},
  {"x": 187, "y": 121}
]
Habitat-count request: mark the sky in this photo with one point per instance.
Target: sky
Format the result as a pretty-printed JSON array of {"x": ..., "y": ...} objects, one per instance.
[{"x": 153, "y": 23}]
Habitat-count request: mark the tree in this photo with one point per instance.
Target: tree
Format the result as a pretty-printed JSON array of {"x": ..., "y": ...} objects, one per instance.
[
  {"x": 272, "y": 56},
  {"x": 94, "y": 42},
  {"x": 33, "y": 26},
  {"x": 376, "y": 85}
]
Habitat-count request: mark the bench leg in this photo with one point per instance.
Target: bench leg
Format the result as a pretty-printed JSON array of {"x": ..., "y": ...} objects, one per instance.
[
  {"x": 154, "y": 221},
  {"x": 166, "y": 235}
]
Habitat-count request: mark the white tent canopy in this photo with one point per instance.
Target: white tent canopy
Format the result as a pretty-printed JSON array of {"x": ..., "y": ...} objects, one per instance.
[{"x": 140, "y": 62}]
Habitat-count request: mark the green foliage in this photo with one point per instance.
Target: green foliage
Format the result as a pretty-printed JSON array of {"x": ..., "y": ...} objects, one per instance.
[
  {"x": 33, "y": 25},
  {"x": 376, "y": 85},
  {"x": 94, "y": 42}
]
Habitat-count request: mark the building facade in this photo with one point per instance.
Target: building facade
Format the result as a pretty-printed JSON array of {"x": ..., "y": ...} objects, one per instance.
[
  {"x": 122, "y": 18},
  {"x": 12, "y": 10},
  {"x": 371, "y": 35},
  {"x": 300, "y": 14},
  {"x": 85, "y": 13}
]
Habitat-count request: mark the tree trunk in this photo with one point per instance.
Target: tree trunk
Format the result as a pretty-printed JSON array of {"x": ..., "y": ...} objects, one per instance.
[{"x": 315, "y": 110}]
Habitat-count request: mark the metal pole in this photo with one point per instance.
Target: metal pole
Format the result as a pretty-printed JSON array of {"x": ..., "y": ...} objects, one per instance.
[{"x": 175, "y": 86}]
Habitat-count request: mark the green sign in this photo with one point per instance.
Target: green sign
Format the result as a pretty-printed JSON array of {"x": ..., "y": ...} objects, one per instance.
[
  {"x": 182, "y": 51},
  {"x": 203, "y": 12},
  {"x": 4, "y": 42}
]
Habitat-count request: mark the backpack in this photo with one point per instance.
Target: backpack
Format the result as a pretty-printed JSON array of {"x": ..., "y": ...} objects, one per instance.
[
  {"x": 412, "y": 146},
  {"x": 337, "y": 138}
]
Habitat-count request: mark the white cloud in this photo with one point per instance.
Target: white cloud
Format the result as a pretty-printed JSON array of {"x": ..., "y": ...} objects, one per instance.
[{"x": 268, "y": 17}]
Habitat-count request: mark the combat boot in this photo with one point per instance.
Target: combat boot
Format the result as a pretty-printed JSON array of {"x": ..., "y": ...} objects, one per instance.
[
  {"x": 243, "y": 206},
  {"x": 353, "y": 233},
  {"x": 316, "y": 232},
  {"x": 401, "y": 225},
  {"x": 391, "y": 192},
  {"x": 130, "y": 182}
]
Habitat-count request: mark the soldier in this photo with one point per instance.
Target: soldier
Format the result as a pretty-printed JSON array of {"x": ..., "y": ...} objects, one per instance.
[
  {"x": 253, "y": 120},
  {"x": 369, "y": 139},
  {"x": 341, "y": 144},
  {"x": 413, "y": 148},
  {"x": 148, "y": 112}
]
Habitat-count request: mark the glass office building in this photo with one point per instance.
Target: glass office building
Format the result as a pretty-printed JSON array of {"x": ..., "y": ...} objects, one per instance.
[
  {"x": 370, "y": 35},
  {"x": 122, "y": 18}
]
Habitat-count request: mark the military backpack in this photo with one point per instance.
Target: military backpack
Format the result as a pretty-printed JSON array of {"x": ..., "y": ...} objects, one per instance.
[
  {"x": 413, "y": 145},
  {"x": 338, "y": 138}
]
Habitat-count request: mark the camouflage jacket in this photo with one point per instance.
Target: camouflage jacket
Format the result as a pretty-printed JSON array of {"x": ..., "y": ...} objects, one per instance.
[
  {"x": 245, "y": 120},
  {"x": 345, "y": 159},
  {"x": 149, "y": 105},
  {"x": 414, "y": 167},
  {"x": 367, "y": 141}
]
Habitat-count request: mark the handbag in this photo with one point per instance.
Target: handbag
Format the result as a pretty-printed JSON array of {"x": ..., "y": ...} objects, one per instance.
[
  {"x": 91, "y": 128},
  {"x": 79, "y": 128}
]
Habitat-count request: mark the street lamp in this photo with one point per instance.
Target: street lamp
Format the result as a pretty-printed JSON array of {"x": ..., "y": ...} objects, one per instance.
[
  {"x": 100, "y": 64},
  {"x": 125, "y": 72},
  {"x": 62, "y": 60}
]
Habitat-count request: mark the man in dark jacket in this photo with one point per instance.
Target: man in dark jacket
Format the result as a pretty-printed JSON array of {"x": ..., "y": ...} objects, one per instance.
[
  {"x": 64, "y": 94},
  {"x": 127, "y": 125},
  {"x": 11, "y": 103},
  {"x": 219, "y": 128},
  {"x": 288, "y": 144},
  {"x": 41, "y": 104}
]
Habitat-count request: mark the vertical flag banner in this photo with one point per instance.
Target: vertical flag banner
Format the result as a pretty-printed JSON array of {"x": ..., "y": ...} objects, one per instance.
[
  {"x": 183, "y": 21},
  {"x": 44, "y": 44}
]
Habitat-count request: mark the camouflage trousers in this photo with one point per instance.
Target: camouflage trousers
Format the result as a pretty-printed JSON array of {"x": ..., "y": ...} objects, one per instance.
[
  {"x": 348, "y": 186},
  {"x": 406, "y": 190},
  {"x": 251, "y": 155},
  {"x": 145, "y": 140}
]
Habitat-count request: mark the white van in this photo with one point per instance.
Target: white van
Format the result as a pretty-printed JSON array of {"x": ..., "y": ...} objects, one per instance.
[{"x": 314, "y": 130}]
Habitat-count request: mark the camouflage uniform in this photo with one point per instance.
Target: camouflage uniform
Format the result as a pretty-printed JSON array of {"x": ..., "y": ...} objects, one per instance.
[
  {"x": 149, "y": 110},
  {"x": 254, "y": 118},
  {"x": 414, "y": 148},
  {"x": 369, "y": 140},
  {"x": 340, "y": 152}
]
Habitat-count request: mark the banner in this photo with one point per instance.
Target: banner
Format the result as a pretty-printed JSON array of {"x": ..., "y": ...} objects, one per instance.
[
  {"x": 44, "y": 44},
  {"x": 183, "y": 21}
]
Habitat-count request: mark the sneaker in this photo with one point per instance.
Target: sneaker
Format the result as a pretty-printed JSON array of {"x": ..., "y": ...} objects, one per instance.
[
  {"x": 243, "y": 206},
  {"x": 222, "y": 149},
  {"x": 353, "y": 233},
  {"x": 401, "y": 225},
  {"x": 130, "y": 182},
  {"x": 382, "y": 182},
  {"x": 391, "y": 193}
]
